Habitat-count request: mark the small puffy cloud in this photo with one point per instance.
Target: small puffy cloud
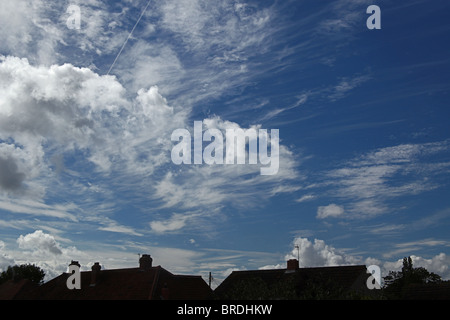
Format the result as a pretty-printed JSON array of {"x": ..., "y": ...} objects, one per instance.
[{"x": 332, "y": 210}]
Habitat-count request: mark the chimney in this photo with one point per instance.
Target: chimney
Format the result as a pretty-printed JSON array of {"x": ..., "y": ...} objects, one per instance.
[
  {"x": 75, "y": 263},
  {"x": 292, "y": 265},
  {"x": 95, "y": 273},
  {"x": 145, "y": 262}
]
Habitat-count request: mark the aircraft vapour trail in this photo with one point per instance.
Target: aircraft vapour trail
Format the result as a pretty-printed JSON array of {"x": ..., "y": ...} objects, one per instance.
[{"x": 129, "y": 35}]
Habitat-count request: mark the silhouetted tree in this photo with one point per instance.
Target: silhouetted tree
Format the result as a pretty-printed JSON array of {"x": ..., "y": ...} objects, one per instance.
[
  {"x": 24, "y": 271},
  {"x": 397, "y": 282}
]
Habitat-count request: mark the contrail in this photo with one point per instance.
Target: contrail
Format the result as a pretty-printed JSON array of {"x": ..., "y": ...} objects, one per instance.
[{"x": 125, "y": 43}]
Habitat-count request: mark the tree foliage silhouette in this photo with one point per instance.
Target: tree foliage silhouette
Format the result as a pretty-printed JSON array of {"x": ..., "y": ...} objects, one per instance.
[
  {"x": 23, "y": 271},
  {"x": 398, "y": 282}
]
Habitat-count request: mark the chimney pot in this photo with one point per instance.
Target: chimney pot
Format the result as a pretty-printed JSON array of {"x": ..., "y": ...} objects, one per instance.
[
  {"x": 292, "y": 264},
  {"x": 95, "y": 273},
  {"x": 75, "y": 263}
]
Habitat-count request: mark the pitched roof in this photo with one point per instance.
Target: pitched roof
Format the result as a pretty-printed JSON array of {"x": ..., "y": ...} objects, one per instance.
[
  {"x": 346, "y": 278},
  {"x": 155, "y": 283}
]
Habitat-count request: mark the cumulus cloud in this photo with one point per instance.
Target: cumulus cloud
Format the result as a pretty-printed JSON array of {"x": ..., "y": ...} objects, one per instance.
[
  {"x": 39, "y": 241},
  {"x": 318, "y": 254},
  {"x": 46, "y": 111},
  {"x": 5, "y": 259},
  {"x": 438, "y": 264},
  {"x": 43, "y": 250}
]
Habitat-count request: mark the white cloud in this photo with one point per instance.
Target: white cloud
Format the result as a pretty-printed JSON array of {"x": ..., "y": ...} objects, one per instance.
[
  {"x": 206, "y": 51},
  {"x": 176, "y": 222},
  {"x": 306, "y": 197},
  {"x": 319, "y": 254},
  {"x": 65, "y": 110},
  {"x": 438, "y": 264},
  {"x": 208, "y": 188},
  {"x": 5, "y": 259},
  {"x": 38, "y": 31},
  {"x": 332, "y": 210},
  {"x": 22, "y": 28},
  {"x": 114, "y": 227},
  {"x": 73, "y": 113},
  {"x": 346, "y": 85},
  {"x": 37, "y": 208},
  {"x": 366, "y": 183},
  {"x": 69, "y": 109},
  {"x": 203, "y": 24},
  {"x": 343, "y": 17},
  {"x": 40, "y": 241}
]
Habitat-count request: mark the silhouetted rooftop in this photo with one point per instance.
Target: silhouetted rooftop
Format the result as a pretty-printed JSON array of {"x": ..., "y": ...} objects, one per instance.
[
  {"x": 149, "y": 283},
  {"x": 346, "y": 278}
]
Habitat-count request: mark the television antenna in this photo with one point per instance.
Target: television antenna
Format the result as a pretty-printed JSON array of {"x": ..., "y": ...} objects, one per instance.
[{"x": 298, "y": 252}]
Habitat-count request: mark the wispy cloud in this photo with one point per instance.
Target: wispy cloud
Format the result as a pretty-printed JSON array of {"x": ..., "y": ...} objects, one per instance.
[
  {"x": 415, "y": 246},
  {"x": 346, "y": 85},
  {"x": 122, "y": 141},
  {"x": 275, "y": 112},
  {"x": 306, "y": 197},
  {"x": 368, "y": 184},
  {"x": 332, "y": 210}
]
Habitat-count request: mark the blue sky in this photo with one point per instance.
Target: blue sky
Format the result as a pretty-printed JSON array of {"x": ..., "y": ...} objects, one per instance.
[{"x": 85, "y": 134}]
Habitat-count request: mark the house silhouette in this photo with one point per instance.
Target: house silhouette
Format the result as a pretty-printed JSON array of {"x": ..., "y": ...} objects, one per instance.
[
  {"x": 339, "y": 282},
  {"x": 146, "y": 282}
]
